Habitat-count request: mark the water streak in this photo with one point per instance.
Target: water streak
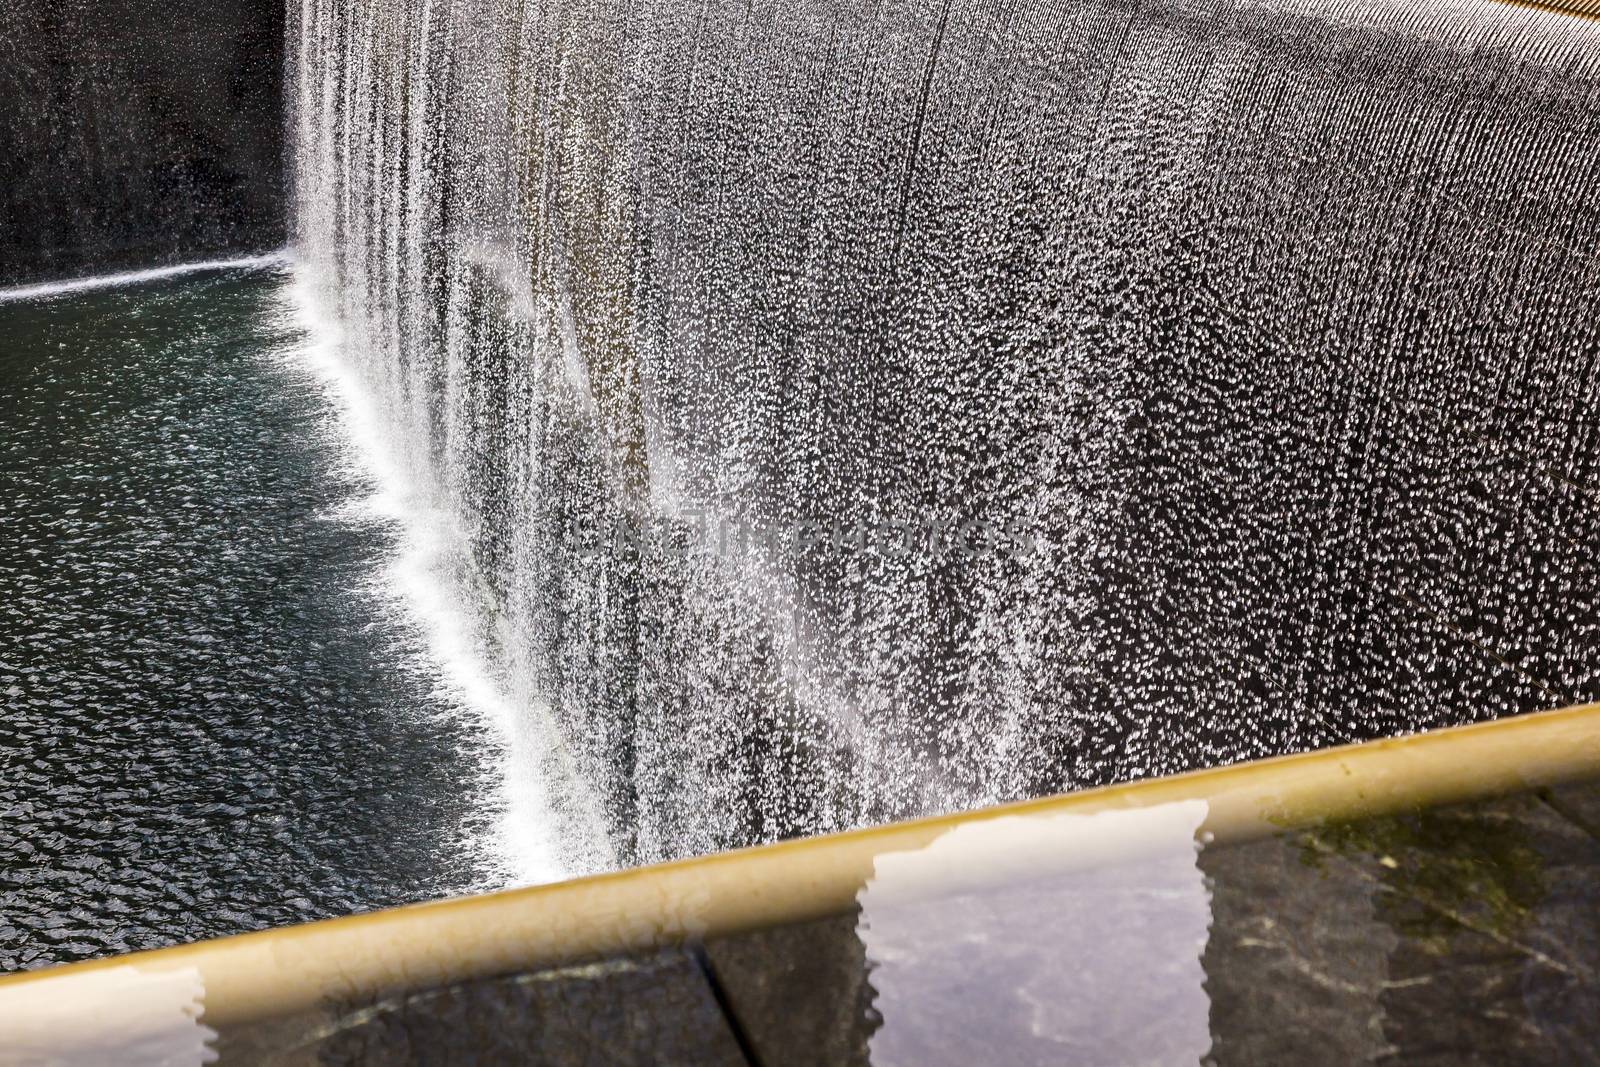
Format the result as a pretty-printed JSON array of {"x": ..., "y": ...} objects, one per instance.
[{"x": 50, "y": 290}]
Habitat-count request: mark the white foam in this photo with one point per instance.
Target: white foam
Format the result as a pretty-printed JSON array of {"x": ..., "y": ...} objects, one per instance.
[
  {"x": 46, "y": 290},
  {"x": 417, "y": 580}
]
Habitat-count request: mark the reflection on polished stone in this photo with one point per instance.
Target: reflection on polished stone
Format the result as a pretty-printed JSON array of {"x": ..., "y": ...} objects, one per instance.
[
  {"x": 1456, "y": 936},
  {"x": 1043, "y": 940},
  {"x": 1467, "y": 934}
]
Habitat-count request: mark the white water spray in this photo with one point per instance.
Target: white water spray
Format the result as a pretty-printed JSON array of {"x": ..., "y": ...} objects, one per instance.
[{"x": 537, "y": 836}]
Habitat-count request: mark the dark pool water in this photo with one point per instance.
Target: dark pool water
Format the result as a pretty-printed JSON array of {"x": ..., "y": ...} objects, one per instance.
[{"x": 211, "y": 720}]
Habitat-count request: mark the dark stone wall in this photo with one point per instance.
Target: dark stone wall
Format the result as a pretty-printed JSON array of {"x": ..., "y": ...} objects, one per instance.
[{"x": 137, "y": 133}]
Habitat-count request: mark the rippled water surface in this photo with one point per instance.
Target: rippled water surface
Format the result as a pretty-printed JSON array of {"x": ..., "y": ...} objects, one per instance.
[{"x": 212, "y": 719}]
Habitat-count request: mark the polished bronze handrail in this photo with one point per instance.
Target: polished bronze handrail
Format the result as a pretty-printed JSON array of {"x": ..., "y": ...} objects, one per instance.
[{"x": 276, "y": 972}]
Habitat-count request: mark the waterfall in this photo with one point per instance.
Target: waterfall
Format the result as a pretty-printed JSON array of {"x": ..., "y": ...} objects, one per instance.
[{"x": 854, "y": 409}]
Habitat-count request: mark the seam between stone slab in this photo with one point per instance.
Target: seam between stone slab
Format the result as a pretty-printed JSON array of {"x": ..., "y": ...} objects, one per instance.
[
  {"x": 1567, "y": 812},
  {"x": 724, "y": 1003}
]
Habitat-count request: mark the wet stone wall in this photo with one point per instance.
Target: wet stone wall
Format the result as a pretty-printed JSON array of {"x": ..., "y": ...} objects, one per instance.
[
  {"x": 858, "y": 409},
  {"x": 136, "y": 133}
]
